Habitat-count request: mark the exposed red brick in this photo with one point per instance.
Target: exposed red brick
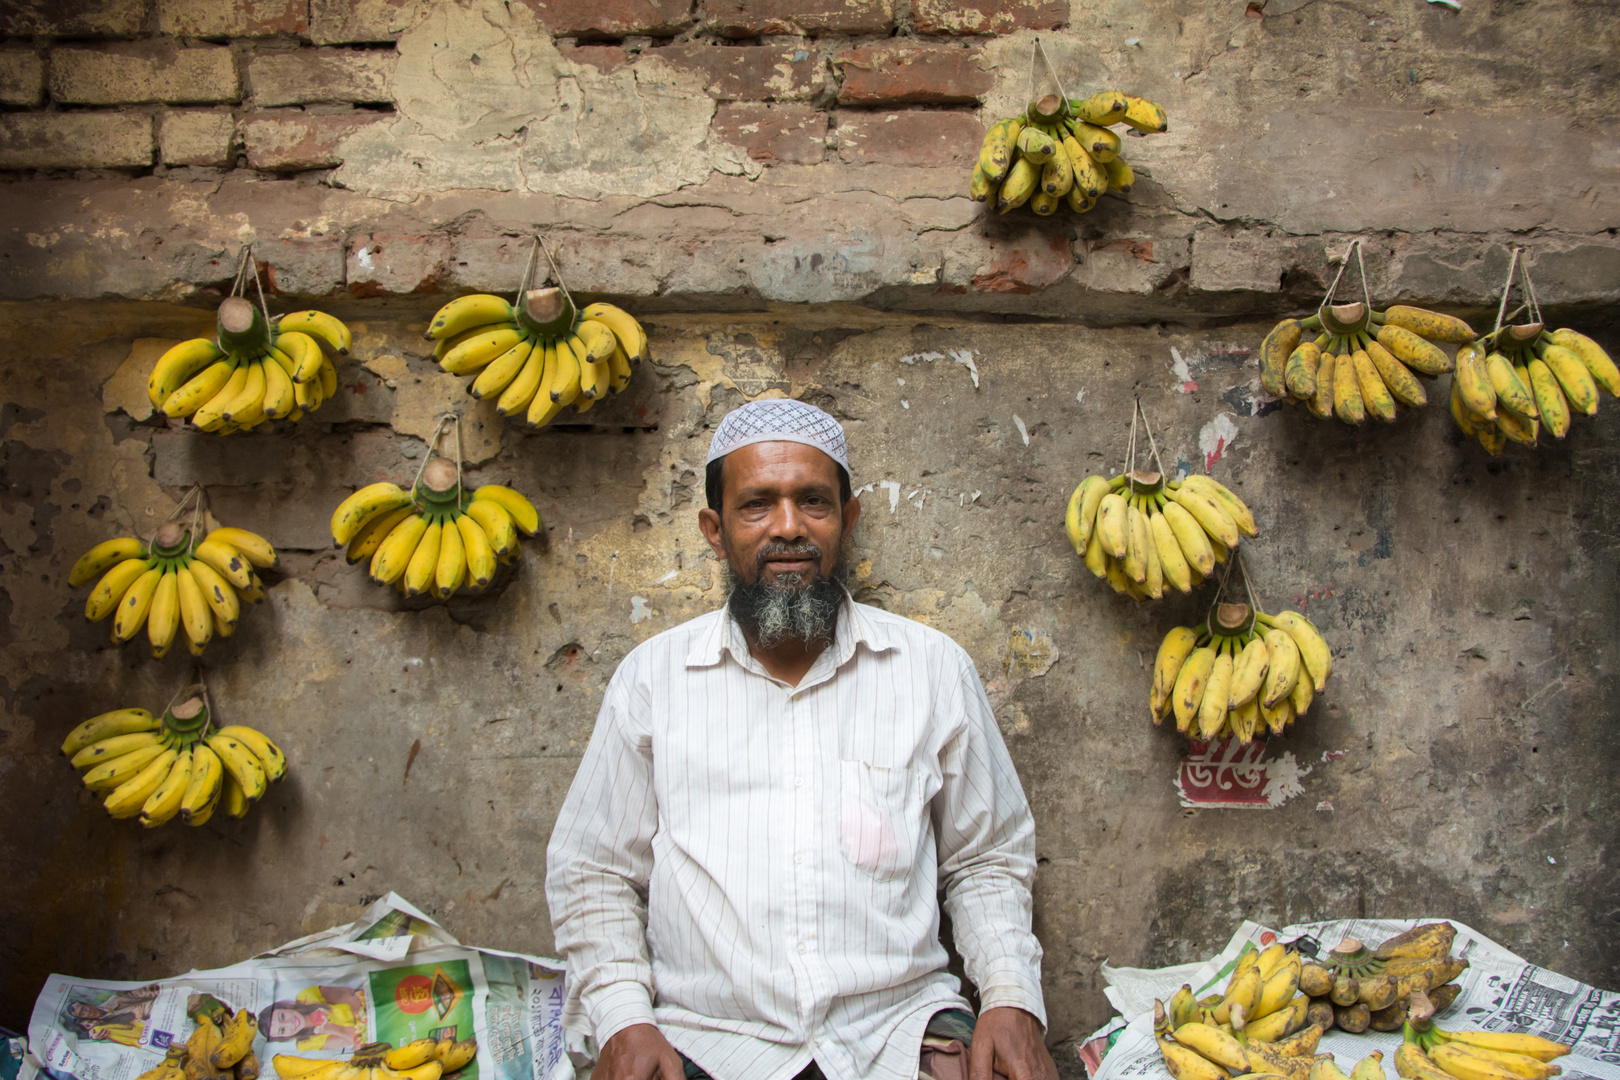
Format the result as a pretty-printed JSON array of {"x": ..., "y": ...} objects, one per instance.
[
  {"x": 77, "y": 140},
  {"x": 612, "y": 18},
  {"x": 750, "y": 18},
  {"x": 1025, "y": 265},
  {"x": 233, "y": 18},
  {"x": 343, "y": 22},
  {"x": 748, "y": 72},
  {"x": 915, "y": 74},
  {"x": 987, "y": 16},
  {"x": 78, "y": 18},
  {"x": 909, "y": 138},
  {"x": 295, "y": 141},
  {"x": 774, "y": 134},
  {"x": 603, "y": 57}
]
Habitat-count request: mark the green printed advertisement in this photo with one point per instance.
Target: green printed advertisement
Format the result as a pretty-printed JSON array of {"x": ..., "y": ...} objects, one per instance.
[{"x": 425, "y": 1001}]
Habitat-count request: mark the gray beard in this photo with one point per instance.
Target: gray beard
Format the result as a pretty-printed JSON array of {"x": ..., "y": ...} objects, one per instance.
[{"x": 795, "y": 607}]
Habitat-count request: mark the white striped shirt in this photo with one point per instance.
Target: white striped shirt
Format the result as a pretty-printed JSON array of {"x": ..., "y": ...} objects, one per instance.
[{"x": 754, "y": 866}]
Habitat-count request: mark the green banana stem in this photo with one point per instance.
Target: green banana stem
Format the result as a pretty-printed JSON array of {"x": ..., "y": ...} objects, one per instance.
[
  {"x": 1377, "y": 318},
  {"x": 1313, "y": 322}
]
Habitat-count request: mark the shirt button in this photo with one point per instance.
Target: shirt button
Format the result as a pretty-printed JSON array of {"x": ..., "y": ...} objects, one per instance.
[
  {"x": 798, "y": 781},
  {"x": 798, "y": 858},
  {"x": 803, "y": 948}
]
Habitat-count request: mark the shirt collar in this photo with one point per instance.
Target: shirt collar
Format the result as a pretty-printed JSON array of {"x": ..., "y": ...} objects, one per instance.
[{"x": 854, "y": 628}]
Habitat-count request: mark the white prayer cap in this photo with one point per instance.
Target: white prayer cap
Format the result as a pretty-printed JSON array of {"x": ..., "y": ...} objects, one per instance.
[{"x": 779, "y": 420}]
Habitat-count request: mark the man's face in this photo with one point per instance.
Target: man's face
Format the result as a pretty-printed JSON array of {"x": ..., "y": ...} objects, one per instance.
[{"x": 781, "y": 521}]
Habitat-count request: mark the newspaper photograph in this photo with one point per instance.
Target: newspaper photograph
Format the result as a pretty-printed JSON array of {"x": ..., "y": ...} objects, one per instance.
[
  {"x": 1499, "y": 991},
  {"x": 391, "y": 976}
]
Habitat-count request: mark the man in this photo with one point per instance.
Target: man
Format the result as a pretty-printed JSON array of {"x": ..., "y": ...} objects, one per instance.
[{"x": 743, "y": 877}]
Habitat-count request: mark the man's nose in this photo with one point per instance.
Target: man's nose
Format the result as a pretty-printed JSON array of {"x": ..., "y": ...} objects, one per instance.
[{"x": 788, "y": 523}]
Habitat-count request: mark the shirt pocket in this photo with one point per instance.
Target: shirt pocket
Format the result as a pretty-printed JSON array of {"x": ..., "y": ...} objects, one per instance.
[{"x": 880, "y": 818}]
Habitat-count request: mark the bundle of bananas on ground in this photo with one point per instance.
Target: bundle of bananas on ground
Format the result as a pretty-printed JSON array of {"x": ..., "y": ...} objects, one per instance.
[
  {"x": 256, "y": 371},
  {"x": 1357, "y": 988},
  {"x": 436, "y": 538},
  {"x": 221, "y": 1048},
  {"x": 1259, "y": 1025},
  {"x": 158, "y": 768},
  {"x": 423, "y": 1059},
  {"x": 1429, "y": 1053},
  {"x": 1247, "y": 672},
  {"x": 1363, "y": 361},
  {"x": 538, "y": 357},
  {"x": 1142, "y": 533},
  {"x": 172, "y": 586},
  {"x": 1510, "y": 384},
  {"x": 1061, "y": 151}
]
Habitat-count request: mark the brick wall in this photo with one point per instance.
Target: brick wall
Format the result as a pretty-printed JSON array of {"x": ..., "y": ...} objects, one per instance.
[{"x": 276, "y": 85}]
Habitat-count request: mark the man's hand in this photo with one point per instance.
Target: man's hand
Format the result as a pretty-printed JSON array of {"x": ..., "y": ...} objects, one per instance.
[
  {"x": 640, "y": 1052},
  {"x": 1007, "y": 1042}
]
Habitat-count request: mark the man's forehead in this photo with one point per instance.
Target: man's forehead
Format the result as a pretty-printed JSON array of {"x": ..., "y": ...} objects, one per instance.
[{"x": 778, "y": 464}]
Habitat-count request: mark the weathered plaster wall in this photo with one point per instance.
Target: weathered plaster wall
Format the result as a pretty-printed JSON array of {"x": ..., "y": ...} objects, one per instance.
[
  {"x": 1471, "y": 605},
  {"x": 386, "y": 155}
]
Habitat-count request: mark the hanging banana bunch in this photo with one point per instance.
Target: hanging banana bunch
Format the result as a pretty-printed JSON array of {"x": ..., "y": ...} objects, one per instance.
[
  {"x": 176, "y": 585},
  {"x": 1362, "y": 362},
  {"x": 179, "y": 764},
  {"x": 540, "y": 355},
  {"x": 439, "y": 537},
  {"x": 255, "y": 369},
  {"x": 1520, "y": 378},
  {"x": 1144, "y": 533}
]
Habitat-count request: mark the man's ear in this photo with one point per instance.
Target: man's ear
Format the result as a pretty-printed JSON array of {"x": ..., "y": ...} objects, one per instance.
[
  {"x": 852, "y": 513},
  {"x": 709, "y": 524}
]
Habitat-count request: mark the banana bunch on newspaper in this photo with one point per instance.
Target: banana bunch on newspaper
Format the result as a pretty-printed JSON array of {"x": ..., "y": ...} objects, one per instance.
[
  {"x": 422, "y": 1059},
  {"x": 220, "y": 1049}
]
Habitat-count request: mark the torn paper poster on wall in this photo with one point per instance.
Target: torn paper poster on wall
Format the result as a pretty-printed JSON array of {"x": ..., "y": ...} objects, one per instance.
[{"x": 1230, "y": 775}]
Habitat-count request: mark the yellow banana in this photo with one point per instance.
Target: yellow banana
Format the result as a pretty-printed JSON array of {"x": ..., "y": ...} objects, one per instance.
[
  {"x": 269, "y": 754},
  {"x": 1413, "y": 1064},
  {"x": 394, "y": 554},
  {"x": 1113, "y": 524},
  {"x": 521, "y": 390},
  {"x": 128, "y": 798},
  {"x": 1235, "y": 507},
  {"x": 194, "y": 614},
  {"x": 593, "y": 377},
  {"x": 1121, "y": 177},
  {"x": 235, "y": 1040},
  {"x": 164, "y": 803},
  {"x": 1172, "y": 559},
  {"x": 1090, "y": 175},
  {"x": 428, "y": 1070},
  {"x": 324, "y": 328},
  {"x": 178, "y": 365},
  {"x": 1103, "y": 109},
  {"x": 202, "y": 790},
  {"x": 522, "y": 511},
  {"x": 494, "y": 379},
  {"x": 412, "y": 1054},
  {"x": 497, "y": 525},
  {"x": 248, "y": 404},
  {"x": 1401, "y": 382},
  {"x": 1136, "y": 544},
  {"x": 218, "y": 594},
  {"x": 1098, "y": 141},
  {"x": 137, "y": 602},
  {"x": 305, "y": 354},
  {"x": 1375, "y": 396},
  {"x": 479, "y": 350},
  {"x": 619, "y": 370},
  {"x": 1429, "y": 324},
  {"x": 1174, "y": 650},
  {"x": 456, "y": 1054},
  {"x": 374, "y": 531},
  {"x": 226, "y": 561},
  {"x": 1465, "y": 1066},
  {"x": 253, "y": 547},
  {"x": 232, "y": 798},
  {"x": 1511, "y": 1043},
  {"x": 1208, "y": 514},
  {"x": 1347, "y": 402},
  {"x": 1573, "y": 377},
  {"x": 103, "y": 557},
  {"x": 1184, "y": 1063},
  {"x": 1602, "y": 368},
  {"x": 1190, "y": 537},
  {"x": 480, "y": 557},
  {"x": 241, "y": 763},
  {"x": 1280, "y": 1022},
  {"x": 451, "y": 566},
  {"x": 112, "y": 774},
  {"x": 1284, "y": 659},
  {"x": 995, "y": 151},
  {"x": 1551, "y": 404},
  {"x": 564, "y": 385},
  {"x": 279, "y": 400},
  {"x": 211, "y": 414},
  {"x": 1522, "y": 1066},
  {"x": 632, "y": 336},
  {"x": 1248, "y": 672},
  {"x": 1413, "y": 351},
  {"x": 424, "y": 560},
  {"x": 112, "y": 588},
  {"x": 1144, "y": 115},
  {"x": 367, "y": 504},
  {"x": 1191, "y": 684},
  {"x": 1214, "y": 1045},
  {"x": 1020, "y": 184},
  {"x": 116, "y": 746},
  {"x": 1244, "y": 987},
  {"x": 1313, "y": 650},
  {"x": 467, "y": 313},
  {"x": 1510, "y": 392},
  {"x": 108, "y": 725}
]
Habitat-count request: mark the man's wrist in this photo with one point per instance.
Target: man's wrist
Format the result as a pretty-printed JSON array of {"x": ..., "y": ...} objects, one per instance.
[{"x": 616, "y": 1006}]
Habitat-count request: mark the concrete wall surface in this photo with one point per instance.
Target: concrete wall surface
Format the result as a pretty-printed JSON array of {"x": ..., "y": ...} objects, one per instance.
[{"x": 779, "y": 190}]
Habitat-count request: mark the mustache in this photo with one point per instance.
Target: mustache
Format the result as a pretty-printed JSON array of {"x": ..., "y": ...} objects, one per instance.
[{"x": 777, "y": 549}]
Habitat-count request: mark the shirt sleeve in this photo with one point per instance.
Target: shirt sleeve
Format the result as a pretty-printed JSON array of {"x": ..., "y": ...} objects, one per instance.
[
  {"x": 986, "y": 838},
  {"x": 597, "y": 867}
]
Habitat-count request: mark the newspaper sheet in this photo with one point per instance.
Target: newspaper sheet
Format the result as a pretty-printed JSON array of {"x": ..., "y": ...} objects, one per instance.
[
  {"x": 1499, "y": 992},
  {"x": 393, "y": 975}
]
